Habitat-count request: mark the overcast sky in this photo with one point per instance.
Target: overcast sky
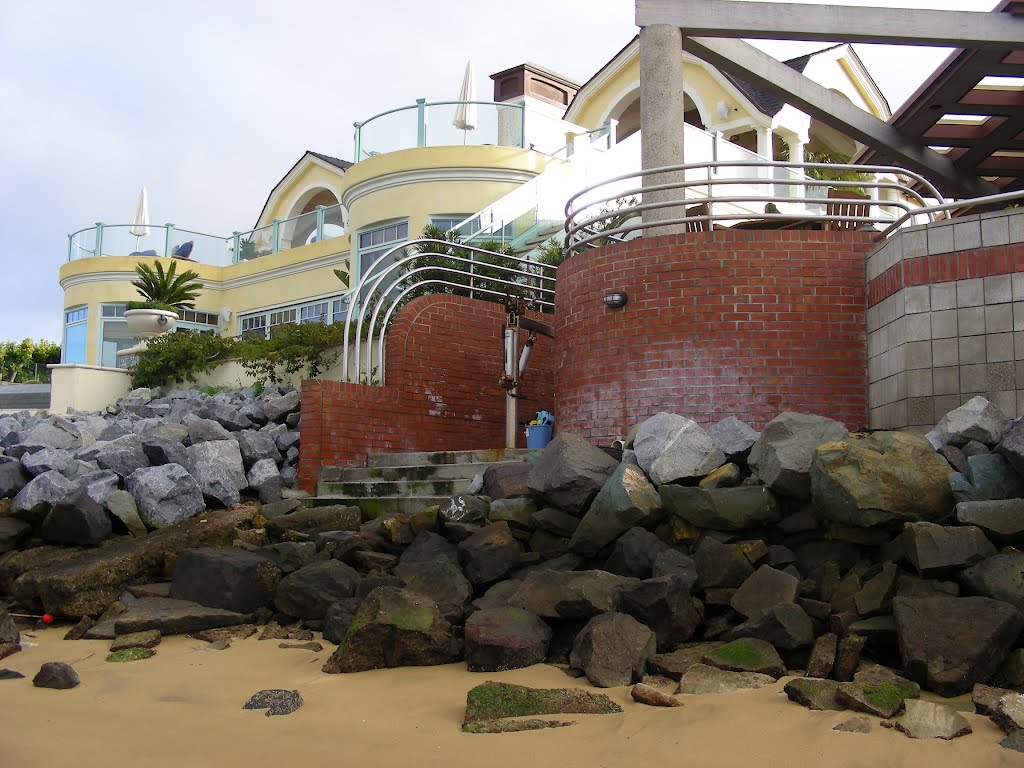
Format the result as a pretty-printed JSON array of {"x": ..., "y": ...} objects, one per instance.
[{"x": 210, "y": 102}]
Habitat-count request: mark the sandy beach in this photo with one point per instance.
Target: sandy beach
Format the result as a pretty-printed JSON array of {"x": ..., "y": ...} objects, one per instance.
[{"x": 183, "y": 706}]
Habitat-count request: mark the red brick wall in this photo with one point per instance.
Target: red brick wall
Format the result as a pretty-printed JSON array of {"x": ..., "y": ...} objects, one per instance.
[
  {"x": 718, "y": 323},
  {"x": 444, "y": 359}
]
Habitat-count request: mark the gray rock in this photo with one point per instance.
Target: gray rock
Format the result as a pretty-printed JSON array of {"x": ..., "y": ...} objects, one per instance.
[
  {"x": 205, "y": 430},
  {"x": 287, "y": 440},
  {"x": 674, "y": 665},
  {"x": 612, "y": 650},
  {"x": 877, "y": 691},
  {"x": 463, "y": 508},
  {"x": 854, "y": 725},
  {"x": 664, "y": 605},
  {"x": 255, "y": 445},
  {"x": 635, "y": 552},
  {"x": 77, "y": 520},
  {"x": 625, "y": 500},
  {"x": 928, "y": 720},
  {"x": 570, "y": 594},
  {"x": 506, "y": 479},
  {"x": 490, "y": 554},
  {"x": 720, "y": 565},
  {"x": 339, "y": 617},
  {"x": 46, "y": 460},
  {"x": 762, "y": 589},
  {"x": 670, "y": 447},
  {"x": 276, "y": 701},
  {"x": 165, "y": 430},
  {"x": 782, "y": 456},
  {"x": 570, "y": 473},
  {"x": 41, "y": 493},
  {"x": 217, "y": 468},
  {"x": 278, "y": 408},
  {"x": 264, "y": 478},
  {"x": 292, "y": 555},
  {"x": 505, "y": 638},
  {"x": 308, "y": 592},
  {"x": 937, "y": 551},
  {"x": 122, "y": 505},
  {"x": 672, "y": 562},
  {"x": 57, "y": 675},
  {"x": 161, "y": 450},
  {"x": 977, "y": 419},
  {"x": 123, "y": 456},
  {"x": 173, "y": 617},
  {"x": 517, "y": 512},
  {"x": 13, "y": 477},
  {"x": 13, "y": 533},
  {"x": 98, "y": 485},
  {"x": 1002, "y": 520},
  {"x": 442, "y": 582},
  {"x": 734, "y": 438},
  {"x": 8, "y": 629},
  {"x": 225, "y": 577},
  {"x": 785, "y": 626},
  {"x": 165, "y": 495},
  {"x": 429, "y": 546},
  {"x": 555, "y": 521},
  {"x": 702, "y": 679},
  {"x": 724, "y": 509},
  {"x": 1000, "y": 577},
  {"x": 312, "y": 520},
  {"x": 988, "y": 476},
  {"x": 227, "y": 416},
  {"x": 813, "y": 693},
  {"x": 1008, "y": 713}
]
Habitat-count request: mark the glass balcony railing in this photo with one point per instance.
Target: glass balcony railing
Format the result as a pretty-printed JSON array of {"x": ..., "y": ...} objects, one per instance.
[{"x": 324, "y": 223}]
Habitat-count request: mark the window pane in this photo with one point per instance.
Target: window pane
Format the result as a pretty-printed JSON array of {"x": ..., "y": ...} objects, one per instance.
[
  {"x": 116, "y": 337},
  {"x": 403, "y": 230},
  {"x": 74, "y": 345}
]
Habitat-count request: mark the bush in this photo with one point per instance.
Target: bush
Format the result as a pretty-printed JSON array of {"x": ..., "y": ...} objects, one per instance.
[{"x": 27, "y": 360}]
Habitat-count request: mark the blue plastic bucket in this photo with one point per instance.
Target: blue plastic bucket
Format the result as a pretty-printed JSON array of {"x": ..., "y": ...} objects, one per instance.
[{"x": 538, "y": 436}]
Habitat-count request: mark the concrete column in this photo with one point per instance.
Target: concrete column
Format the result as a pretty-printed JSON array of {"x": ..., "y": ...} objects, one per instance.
[
  {"x": 661, "y": 119},
  {"x": 796, "y": 155},
  {"x": 765, "y": 147}
]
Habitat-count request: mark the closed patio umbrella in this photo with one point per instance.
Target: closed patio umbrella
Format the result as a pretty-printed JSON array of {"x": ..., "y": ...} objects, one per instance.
[
  {"x": 140, "y": 222},
  {"x": 465, "y": 113}
]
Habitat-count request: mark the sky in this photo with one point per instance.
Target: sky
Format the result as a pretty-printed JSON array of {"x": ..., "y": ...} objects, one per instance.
[{"x": 210, "y": 102}]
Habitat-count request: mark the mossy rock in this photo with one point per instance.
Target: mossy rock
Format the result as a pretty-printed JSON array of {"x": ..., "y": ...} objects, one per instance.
[
  {"x": 131, "y": 654},
  {"x": 747, "y": 654},
  {"x": 493, "y": 701},
  {"x": 877, "y": 691},
  {"x": 512, "y": 726}
]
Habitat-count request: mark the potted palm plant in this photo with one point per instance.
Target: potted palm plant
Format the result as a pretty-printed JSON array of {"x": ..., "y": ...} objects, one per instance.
[{"x": 165, "y": 293}]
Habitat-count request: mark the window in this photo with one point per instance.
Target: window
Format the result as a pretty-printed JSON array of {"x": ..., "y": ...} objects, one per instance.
[
  {"x": 448, "y": 222},
  {"x": 332, "y": 309},
  {"x": 115, "y": 336},
  {"x": 254, "y": 326},
  {"x": 339, "y": 310},
  {"x": 281, "y": 317},
  {"x": 314, "y": 313},
  {"x": 374, "y": 243},
  {"x": 75, "y": 331}
]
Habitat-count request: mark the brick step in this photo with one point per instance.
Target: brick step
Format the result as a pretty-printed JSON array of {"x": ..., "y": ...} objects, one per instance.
[{"x": 485, "y": 455}]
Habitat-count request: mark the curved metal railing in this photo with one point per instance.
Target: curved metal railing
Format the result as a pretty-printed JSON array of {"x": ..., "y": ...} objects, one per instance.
[
  {"x": 973, "y": 202},
  {"x": 388, "y": 282},
  {"x": 589, "y": 219}
]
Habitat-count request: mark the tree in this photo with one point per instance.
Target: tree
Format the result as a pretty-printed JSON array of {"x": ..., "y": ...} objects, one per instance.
[
  {"x": 165, "y": 290},
  {"x": 27, "y": 360}
]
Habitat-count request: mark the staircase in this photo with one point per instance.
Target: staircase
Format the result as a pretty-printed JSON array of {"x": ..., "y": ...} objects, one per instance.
[{"x": 407, "y": 482}]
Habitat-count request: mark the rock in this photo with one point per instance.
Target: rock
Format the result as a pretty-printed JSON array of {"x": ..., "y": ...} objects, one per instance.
[
  {"x": 463, "y": 508},
  {"x": 977, "y": 419},
  {"x": 848, "y": 657},
  {"x": 56, "y": 674},
  {"x": 937, "y": 551},
  {"x": 702, "y": 679},
  {"x": 225, "y": 577},
  {"x": 877, "y": 691},
  {"x": 8, "y": 629},
  {"x": 308, "y": 592},
  {"x": 488, "y": 705},
  {"x": 161, "y": 450},
  {"x": 277, "y": 408},
  {"x": 393, "y": 628},
  {"x": 148, "y": 639},
  {"x": 1011, "y": 673},
  {"x": 10, "y": 674},
  {"x": 645, "y": 694},
  {"x": 723, "y": 509},
  {"x": 634, "y": 554},
  {"x": 165, "y": 495},
  {"x": 227, "y": 416},
  {"x": 38, "y": 495},
  {"x": 950, "y": 643},
  {"x": 217, "y": 467},
  {"x": 338, "y": 618},
  {"x": 877, "y": 593},
  {"x": 570, "y": 473},
  {"x": 442, "y": 582},
  {"x": 507, "y": 479},
  {"x": 726, "y": 476},
  {"x": 813, "y": 693},
  {"x": 671, "y": 448},
  {"x": 927, "y": 720},
  {"x": 517, "y": 512},
  {"x": 498, "y": 639},
  {"x": 1000, "y": 577},
  {"x": 123, "y": 456},
  {"x": 1002, "y": 520},
  {"x": 747, "y": 655},
  {"x": 854, "y": 725},
  {"x": 570, "y": 594},
  {"x": 13, "y": 477},
  {"x": 1014, "y": 741},
  {"x": 1008, "y": 713},
  {"x": 762, "y": 589},
  {"x": 612, "y": 650},
  {"x": 255, "y": 446},
  {"x": 264, "y": 478},
  {"x": 674, "y": 665},
  {"x": 311, "y": 520},
  {"x": 122, "y": 505},
  {"x": 489, "y": 555},
  {"x": 292, "y": 555},
  {"x": 785, "y": 626},
  {"x": 205, "y": 431},
  {"x": 733, "y": 437},
  {"x": 278, "y": 508},
  {"x": 664, "y": 604},
  {"x": 77, "y": 519},
  {"x": 172, "y": 617},
  {"x": 276, "y": 701},
  {"x": 224, "y": 634},
  {"x": 782, "y": 456},
  {"x": 986, "y": 477},
  {"x": 429, "y": 546},
  {"x": 46, "y": 460},
  {"x": 720, "y": 565},
  {"x": 625, "y": 500},
  {"x": 823, "y": 656},
  {"x": 671, "y": 562}
]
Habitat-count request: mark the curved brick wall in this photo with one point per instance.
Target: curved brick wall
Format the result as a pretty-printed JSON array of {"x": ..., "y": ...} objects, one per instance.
[{"x": 718, "y": 323}]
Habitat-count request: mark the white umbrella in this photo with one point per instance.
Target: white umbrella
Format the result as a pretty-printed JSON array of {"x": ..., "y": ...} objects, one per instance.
[
  {"x": 465, "y": 114},
  {"x": 140, "y": 222}
]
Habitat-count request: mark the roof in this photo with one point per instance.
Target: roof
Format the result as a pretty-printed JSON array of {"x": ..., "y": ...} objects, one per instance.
[
  {"x": 978, "y": 125},
  {"x": 343, "y": 164}
]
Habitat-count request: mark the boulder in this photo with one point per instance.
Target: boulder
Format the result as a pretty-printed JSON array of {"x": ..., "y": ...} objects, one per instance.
[
  {"x": 555, "y": 521},
  {"x": 986, "y": 477},
  {"x": 312, "y": 520},
  {"x": 338, "y": 618},
  {"x": 785, "y": 626},
  {"x": 13, "y": 533},
  {"x": 720, "y": 565},
  {"x": 13, "y": 477},
  {"x": 762, "y": 589},
  {"x": 813, "y": 693},
  {"x": 675, "y": 664},
  {"x": 505, "y": 638},
  {"x": 671, "y": 448},
  {"x": 46, "y": 460},
  {"x": 885, "y": 479},
  {"x": 634, "y": 554},
  {"x": 977, "y": 419},
  {"x": 122, "y": 505},
  {"x": 664, "y": 604},
  {"x": 57, "y": 675},
  {"x": 612, "y": 649},
  {"x": 393, "y": 628},
  {"x": 782, "y": 456},
  {"x": 1001, "y": 520},
  {"x": 937, "y": 551},
  {"x": 205, "y": 431},
  {"x": 162, "y": 450},
  {"x": 733, "y": 437},
  {"x": 570, "y": 594},
  {"x": 570, "y": 473},
  {"x": 625, "y": 500},
  {"x": 442, "y": 582},
  {"x": 227, "y": 416},
  {"x": 702, "y": 679},
  {"x": 165, "y": 495},
  {"x": 490, "y": 554},
  {"x": 8, "y": 629},
  {"x": 217, "y": 467},
  {"x": 463, "y": 508},
  {"x": 429, "y": 546},
  {"x": 652, "y": 697},
  {"x": 308, "y": 592},
  {"x": 78, "y": 520},
  {"x": 123, "y": 456},
  {"x": 225, "y": 577},
  {"x": 724, "y": 509},
  {"x": 1000, "y": 577},
  {"x": 747, "y": 654},
  {"x": 1011, "y": 446},
  {"x": 1008, "y": 713},
  {"x": 173, "y": 617},
  {"x": 929, "y": 720},
  {"x": 278, "y": 408},
  {"x": 98, "y": 485},
  {"x": 823, "y": 656},
  {"x": 254, "y": 446},
  {"x": 264, "y": 478},
  {"x": 517, "y": 512},
  {"x": 877, "y": 691},
  {"x": 950, "y": 643},
  {"x": 507, "y": 479},
  {"x": 39, "y": 494},
  {"x": 148, "y": 639}
]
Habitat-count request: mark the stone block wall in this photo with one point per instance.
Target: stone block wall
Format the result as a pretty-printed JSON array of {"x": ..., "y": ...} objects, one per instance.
[{"x": 945, "y": 319}]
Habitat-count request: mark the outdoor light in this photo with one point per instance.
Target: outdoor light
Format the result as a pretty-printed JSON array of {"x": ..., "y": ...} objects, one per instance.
[{"x": 616, "y": 300}]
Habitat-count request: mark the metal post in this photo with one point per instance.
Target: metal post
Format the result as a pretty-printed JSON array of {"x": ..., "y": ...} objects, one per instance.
[
  {"x": 169, "y": 239},
  {"x": 236, "y": 248},
  {"x": 522, "y": 125},
  {"x": 319, "y": 223},
  {"x": 275, "y": 235},
  {"x": 71, "y": 245},
  {"x": 612, "y": 127},
  {"x": 511, "y": 395},
  {"x": 358, "y": 140},
  {"x": 421, "y": 122},
  {"x": 99, "y": 238}
]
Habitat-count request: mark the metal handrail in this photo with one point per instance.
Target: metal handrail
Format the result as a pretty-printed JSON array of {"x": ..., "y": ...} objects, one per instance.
[
  {"x": 370, "y": 284},
  {"x": 575, "y": 225},
  {"x": 1002, "y": 197}
]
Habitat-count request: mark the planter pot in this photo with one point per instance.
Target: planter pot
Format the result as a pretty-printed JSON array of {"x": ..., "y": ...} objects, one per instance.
[{"x": 150, "y": 322}]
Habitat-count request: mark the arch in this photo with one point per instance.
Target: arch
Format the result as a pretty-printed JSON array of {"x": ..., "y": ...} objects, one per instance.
[
  {"x": 302, "y": 230},
  {"x": 626, "y": 110}
]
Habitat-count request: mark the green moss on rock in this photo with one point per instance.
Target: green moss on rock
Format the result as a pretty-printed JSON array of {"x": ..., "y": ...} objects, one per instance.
[
  {"x": 493, "y": 701},
  {"x": 131, "y": 654}
]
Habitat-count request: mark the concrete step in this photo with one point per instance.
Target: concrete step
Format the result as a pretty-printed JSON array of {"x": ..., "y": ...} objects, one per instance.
[
  {"x": 392, "y": 488},
  {"x": 414, "y": 472},
  {"x": 487, "y": 455},
  {"x": 375, "y": 507}
]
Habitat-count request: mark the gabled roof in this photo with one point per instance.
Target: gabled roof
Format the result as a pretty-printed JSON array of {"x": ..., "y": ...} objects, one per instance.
[
  {"x": 343, "y": 164},
  {"x": 334, "y": 162}
]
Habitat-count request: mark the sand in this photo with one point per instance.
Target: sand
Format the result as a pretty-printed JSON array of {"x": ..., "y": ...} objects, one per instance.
[{"x": 183, "y": 707}]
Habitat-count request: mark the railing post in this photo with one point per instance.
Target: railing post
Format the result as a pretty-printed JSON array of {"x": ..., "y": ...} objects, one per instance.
[
  {"x": 169, "y": 239},
  {"x": 570, "y": 143},
  {"x": 319, "y": 223},
  {"x": 236, "y": 248},
  {"x": 275, "y": 235},
  {"x": 99, "y": 238},
  {"x": 522, "y": 125},
  {"x": 70, "y": 246},
  {"x": 611, "y": 126},
  {"x": 358, "y": 140},
  {"x": 421, "y": 122}
]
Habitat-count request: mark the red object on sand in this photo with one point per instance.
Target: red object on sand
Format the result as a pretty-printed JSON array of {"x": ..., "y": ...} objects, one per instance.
[{"x": 47, "y": 618}]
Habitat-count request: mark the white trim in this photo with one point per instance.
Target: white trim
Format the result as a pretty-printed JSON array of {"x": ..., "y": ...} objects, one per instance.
[
  {"x": 424, "y": 175},
  {"x": 609, "y": 71},
  {"x": 289, "y": 304},
  {"x": 299, "y": 168}
]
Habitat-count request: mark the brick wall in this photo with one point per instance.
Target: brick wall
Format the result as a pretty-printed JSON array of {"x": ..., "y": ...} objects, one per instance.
[
  {"x": 444, "y": 359},
  {"x": 718, "y": 323}
]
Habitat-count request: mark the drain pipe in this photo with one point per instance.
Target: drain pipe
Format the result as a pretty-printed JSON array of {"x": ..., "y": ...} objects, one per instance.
[{"x": 511, "y": 338}]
